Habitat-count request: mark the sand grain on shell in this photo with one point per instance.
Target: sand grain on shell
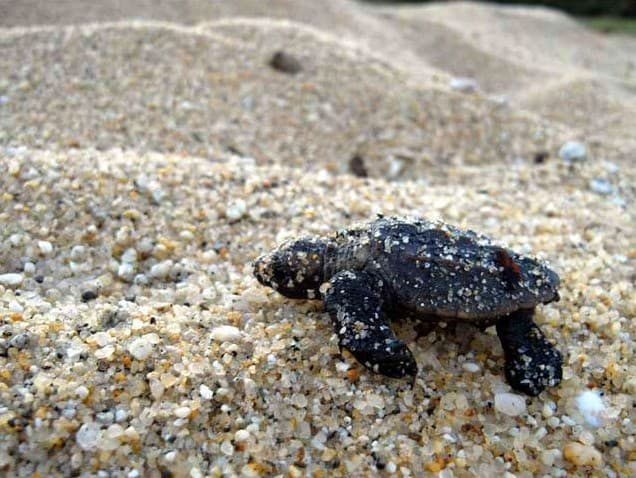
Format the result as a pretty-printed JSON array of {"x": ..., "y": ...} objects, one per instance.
[{"x": 134, "y": 340}]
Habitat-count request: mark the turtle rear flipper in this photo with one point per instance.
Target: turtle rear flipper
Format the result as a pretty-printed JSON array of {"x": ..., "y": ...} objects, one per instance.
[
  {"x": 354, "y": 302},
  {"x": 532, "y": 362}
]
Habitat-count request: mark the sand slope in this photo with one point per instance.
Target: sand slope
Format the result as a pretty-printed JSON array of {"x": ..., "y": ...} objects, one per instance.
[
  {"x": 512, "y": 51},
  {"x": 200, "y": 90},
  {"x": 145, "y": 379},
  {"x": 148, "y": 153}
]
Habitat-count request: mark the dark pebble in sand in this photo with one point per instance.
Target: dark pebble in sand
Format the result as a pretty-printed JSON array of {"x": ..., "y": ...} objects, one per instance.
[
  {"x": 88, "y": 295},
  {"x": 285, "y": 63}
]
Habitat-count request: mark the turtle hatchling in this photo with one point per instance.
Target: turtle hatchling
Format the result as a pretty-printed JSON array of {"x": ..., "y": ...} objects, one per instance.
[{"x": 371, "y": 273}]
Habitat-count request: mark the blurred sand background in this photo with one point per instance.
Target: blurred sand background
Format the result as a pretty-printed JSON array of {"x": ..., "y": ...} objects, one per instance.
[{"x": 149, "y": 152}]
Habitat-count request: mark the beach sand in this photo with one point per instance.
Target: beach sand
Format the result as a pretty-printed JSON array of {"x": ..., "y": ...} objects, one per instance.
[{"x": 149, "y": 153}]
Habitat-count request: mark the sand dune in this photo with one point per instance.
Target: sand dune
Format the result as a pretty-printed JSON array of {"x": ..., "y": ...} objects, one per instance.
[
  {"x": 530, "y": 55},
  {"x": 221, "y": 95},
  {"x": 149, "y": 152},
  {"x": 535, "y": 37},
  {"x": 545, "y": 61}
]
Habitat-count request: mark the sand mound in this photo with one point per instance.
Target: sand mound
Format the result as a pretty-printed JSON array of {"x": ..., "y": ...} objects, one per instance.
[
  {"x": 524, "y": 52},
  {"x": 589, "y": 101},
  {"x": 139, "y": 340},
  {"x": 157, "y": 87},
  {"x": 535, "y": 37},
  {"x": 508, "y": 50},
  {"x": 145, "y": 162}
]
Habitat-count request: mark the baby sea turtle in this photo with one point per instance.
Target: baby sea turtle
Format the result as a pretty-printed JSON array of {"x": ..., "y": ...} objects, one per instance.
[{"x": 426, "y": 269}]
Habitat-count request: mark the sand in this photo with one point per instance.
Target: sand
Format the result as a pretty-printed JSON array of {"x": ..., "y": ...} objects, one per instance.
[{"x": 148, "y": 153}]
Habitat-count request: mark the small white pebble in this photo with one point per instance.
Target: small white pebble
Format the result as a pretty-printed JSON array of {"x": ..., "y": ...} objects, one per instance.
[
  {"x": 252, "y": 428},
  {"x": 182, "y": 412},
  {"x": 548, "y": 457},
  {"x": 227, "y": 448},
  {"x": 375, "y": 400},
  {"x": 161, "y": 270},
  {"x": 145, "y": 246},
  {"x": 226, "y": 333},
  {"x": 156, "y": 389},
  {"x": 129, "y": 256},
  {"x": 78, "y": 253},
  {"x": 133, "y": 474},
  {"x": 241, "y": 435},
  {"x": 236, "y": 210},
  {"x": 141, "y": 279},
  {"x": 342, "y": 366},
  {"x": 510, "y": 404},
  {"x": 29, "y": 268},
  {"x": 250, "y": 386},
  {"x": 11, "y": 279},
  {"x": 15, "y": 307},
  {"x": 572, "y": 151},
  {"x": 140, "y": 348},
  {"x": 299, "y": 400},
  {"x": 15, "y": 239},
  {"x": 223, "y": 392},
  {"x": 586, "y": 437},
  {"x": 601, "y": 186},
  {"x": 180, "y": 422},
  {"x": 186, "y": 235},
  {"x": 121, "y": 415},
  {"x": 464, "y": 85},
  {"x": 114, "y": 431},
  {"x": 170, "y": 456},
  {"x": 471, "y": 367},
  {"x": 591, "y": 407},
  {"x": 568, "y": 421},
  {"x": 101, "y": 338},
  {"x": 81, "y": 392},
  {"x": 45, "y": 247},
  {"x": 126, "y": 271},
  {"x": 105, "y": 352},
  {"x": 547, "y": 411},
  {"x": 205, "y": 392},
  {"x": 554, "y": 422},
  {"x": 87, "y": 436}
]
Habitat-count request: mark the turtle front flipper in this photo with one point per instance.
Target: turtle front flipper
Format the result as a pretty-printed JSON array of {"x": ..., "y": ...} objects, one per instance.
[
  {"x": 354, "y": 302},
  {"x": 532, "y": 362}
]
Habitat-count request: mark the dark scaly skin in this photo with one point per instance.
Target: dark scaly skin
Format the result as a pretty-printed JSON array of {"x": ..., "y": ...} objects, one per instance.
[
  {"x": 532, "y": 363},
  {"x": 430, "y": 270},
  {"x": 354, "y": 302}
]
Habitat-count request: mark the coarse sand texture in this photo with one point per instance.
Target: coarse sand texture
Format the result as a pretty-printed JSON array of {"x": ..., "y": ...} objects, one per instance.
[{"x": 150, "y": 152}]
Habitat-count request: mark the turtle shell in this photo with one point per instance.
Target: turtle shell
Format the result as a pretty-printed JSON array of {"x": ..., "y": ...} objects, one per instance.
[{"x": 436, "y": 269}]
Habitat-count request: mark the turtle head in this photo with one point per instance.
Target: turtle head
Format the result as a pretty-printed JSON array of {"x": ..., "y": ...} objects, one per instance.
[
  {"x": 541, "y": 280},
  {"x": 294, "y": 269}
]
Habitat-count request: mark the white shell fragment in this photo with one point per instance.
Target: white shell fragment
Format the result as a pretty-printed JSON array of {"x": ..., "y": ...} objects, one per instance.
[
  {"x": 591, "y": 406},
  {"x": 11, "y": 279},
  {"x": 226, "y": 333},
  {"x": 572, "y": 151},
  {"x": 510, "y": 404},
  {"x": 141, "y": 347}
]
